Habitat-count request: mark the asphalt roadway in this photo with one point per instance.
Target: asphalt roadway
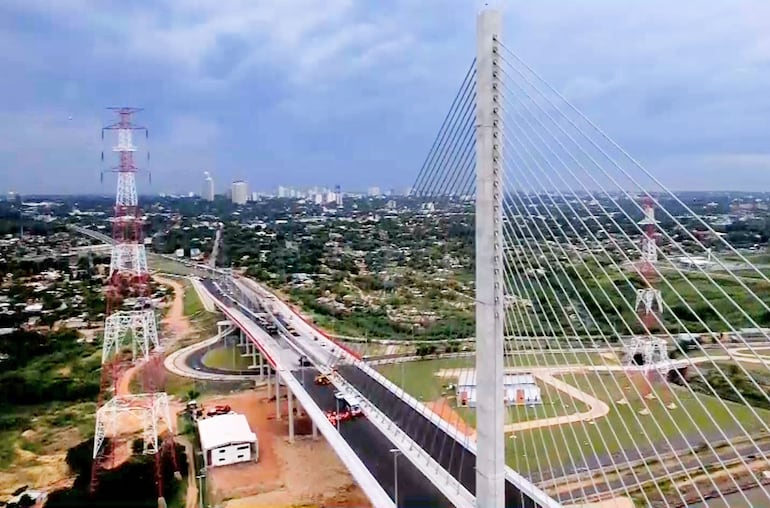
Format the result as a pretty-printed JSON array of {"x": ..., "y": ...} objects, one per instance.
[{"x": 373, "y": 448}]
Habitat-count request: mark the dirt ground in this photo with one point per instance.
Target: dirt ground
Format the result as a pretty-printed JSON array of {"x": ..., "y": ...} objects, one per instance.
[
  {"x": 46, "y": 472},
  {"x": 305, "y": 472},
  {"x": 175, "y": 320},
  {"x": 442, "y": 408}
]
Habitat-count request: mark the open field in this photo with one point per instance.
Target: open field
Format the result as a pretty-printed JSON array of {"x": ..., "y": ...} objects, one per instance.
[
  {"x": 632, "y": 419},
  {"x": 226, "y": 357},
  {"x": 419, "y": 379},
  {"x": 165, "y": 265},
  {"x": 35, "y": 441},
  {"x": 624, "y": 426}
]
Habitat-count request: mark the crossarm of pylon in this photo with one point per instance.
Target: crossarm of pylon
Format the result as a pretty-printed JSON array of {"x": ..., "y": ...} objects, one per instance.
[
  {"x": 149, "y": 411},
  {"x": 135, "y": 329}
]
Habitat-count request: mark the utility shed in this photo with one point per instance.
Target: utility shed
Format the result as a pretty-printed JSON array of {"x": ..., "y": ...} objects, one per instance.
[
  {"x": 518, "y": 389},
  {"x": 227, "y": 439}
]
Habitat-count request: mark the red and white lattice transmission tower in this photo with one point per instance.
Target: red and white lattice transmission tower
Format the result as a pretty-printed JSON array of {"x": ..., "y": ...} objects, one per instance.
[
  {"x": 649, "y": 304},
  {"x": 130, "y": 336}
]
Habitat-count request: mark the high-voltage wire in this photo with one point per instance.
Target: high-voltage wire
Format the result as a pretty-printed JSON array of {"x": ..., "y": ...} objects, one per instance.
[{"x": 547, "y": 146}]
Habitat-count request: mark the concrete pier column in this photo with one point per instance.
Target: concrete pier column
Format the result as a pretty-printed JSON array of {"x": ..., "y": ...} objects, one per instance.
[
  {"x": 261, "y": 367},
  {"x": 269, "y": 386},
  {"x": 277, "y": 397},
  {"x": 290, "y": 396},
  {"x": 315, "y": 431}
]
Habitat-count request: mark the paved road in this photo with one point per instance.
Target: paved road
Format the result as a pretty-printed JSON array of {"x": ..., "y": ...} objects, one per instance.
[
  {"x": 447, "y": 451},
  {"x": 371, "y": 446}
]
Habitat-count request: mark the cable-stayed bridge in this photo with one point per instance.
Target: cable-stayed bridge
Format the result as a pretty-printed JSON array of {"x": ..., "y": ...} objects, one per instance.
[{"x": 575, "y": 242}]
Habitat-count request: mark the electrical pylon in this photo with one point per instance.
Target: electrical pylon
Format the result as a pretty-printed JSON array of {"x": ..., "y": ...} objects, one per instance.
[{"x": 130, "y": 336}]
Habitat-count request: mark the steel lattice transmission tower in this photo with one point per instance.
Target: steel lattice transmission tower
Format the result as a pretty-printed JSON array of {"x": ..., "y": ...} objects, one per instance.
[
  {"x": 130, "y": 337},
  {"x": 649, "y": 304}
]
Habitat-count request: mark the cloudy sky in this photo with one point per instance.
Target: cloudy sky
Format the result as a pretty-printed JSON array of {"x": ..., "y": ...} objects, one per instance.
[{"x": 320, "y": 92}]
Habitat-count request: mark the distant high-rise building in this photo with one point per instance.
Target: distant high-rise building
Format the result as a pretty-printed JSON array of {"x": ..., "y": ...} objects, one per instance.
[
  {"x": 374, "y": 191},
  {"x": 338, "y": 195},
  {"x": 240, "y": 192},
  {"x": 255, "y": 196},
  {"x": 208, "y": 187},
  {"x": 283, "y": 192}
]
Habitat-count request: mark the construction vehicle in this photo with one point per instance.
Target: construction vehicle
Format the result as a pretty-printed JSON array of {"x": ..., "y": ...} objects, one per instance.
[{"x": 219, "y": 410}]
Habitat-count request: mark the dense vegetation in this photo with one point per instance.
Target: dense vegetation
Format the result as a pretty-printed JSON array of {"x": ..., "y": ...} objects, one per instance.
[
  {"x": 47, "y": 367},
  {"x": 722, "y": 379}
]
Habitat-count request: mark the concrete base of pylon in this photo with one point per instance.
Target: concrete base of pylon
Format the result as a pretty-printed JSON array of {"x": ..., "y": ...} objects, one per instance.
[
  {"x": 177, "y": 475},
  {"x": 162, "y": 502}
]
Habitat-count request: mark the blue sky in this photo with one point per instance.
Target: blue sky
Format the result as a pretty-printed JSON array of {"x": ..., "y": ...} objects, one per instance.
[{"x": 320, "y": 92}]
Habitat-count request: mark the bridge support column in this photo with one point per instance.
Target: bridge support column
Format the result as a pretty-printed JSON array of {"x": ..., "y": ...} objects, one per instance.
[
  {"x": 269, "y": 386},
  {"x": 261, "y": 367},
  {"x": 315, "y": 432},
  {"x": 290, "y": 408},
  {"x": 490, "y": 409},
  {"x": 277, "y": 397}
]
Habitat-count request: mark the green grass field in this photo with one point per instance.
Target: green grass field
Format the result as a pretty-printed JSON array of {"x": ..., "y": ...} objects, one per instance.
[
  {"x": 166, "y": 265},
  {"x": 192, "y": 303},
  {"x": 226, "y": 357},
  {"x": 697, "y": 417},
  {"x": 419, "y": 379}
]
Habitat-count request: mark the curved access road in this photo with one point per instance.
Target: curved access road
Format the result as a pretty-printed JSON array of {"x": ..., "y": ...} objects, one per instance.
[
  {"x": 188, "y": 362},
  {"x": 598, "y": 408}
]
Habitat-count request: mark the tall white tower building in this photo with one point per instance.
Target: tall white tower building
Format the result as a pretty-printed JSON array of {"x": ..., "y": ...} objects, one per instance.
[
  {"x": 240, "y": 192},
  {"x": 208, "y": 187}
]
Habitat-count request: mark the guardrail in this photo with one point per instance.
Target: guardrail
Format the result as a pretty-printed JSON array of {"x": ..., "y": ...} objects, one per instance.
[
  {"x": 447, "y": 484},
  {"x": 362, "y": 476}
]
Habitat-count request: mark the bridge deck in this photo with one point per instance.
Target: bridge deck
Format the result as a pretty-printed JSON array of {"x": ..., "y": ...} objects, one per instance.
[{"x": 374, "y": 447}]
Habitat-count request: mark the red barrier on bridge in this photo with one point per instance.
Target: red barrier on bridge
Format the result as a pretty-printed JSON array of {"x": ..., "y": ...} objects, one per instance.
[
  {"x": 345, "y": 348},
  {"x": 255, "y": 341}
]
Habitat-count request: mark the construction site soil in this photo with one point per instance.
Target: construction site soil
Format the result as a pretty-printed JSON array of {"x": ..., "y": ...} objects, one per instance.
[{"x": 306, "y": 472}]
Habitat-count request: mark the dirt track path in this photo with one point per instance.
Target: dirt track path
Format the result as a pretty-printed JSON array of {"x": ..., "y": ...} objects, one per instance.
[
  {"x": 191, "y": 498},
  {"x": 598, "y": 408},
  {"x": 175, "y": 320}
]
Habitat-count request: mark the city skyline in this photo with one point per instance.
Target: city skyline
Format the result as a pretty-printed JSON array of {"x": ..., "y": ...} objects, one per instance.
[{"x": 283, "y": 95}]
